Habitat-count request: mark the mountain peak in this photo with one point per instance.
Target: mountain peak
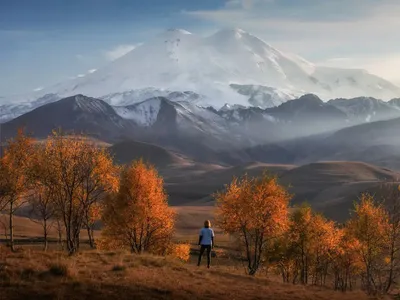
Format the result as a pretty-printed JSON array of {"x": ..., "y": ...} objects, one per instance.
[
  {"x": 232, "y": 32},
  {"x": 175, "y": 32},
  {"x": 228, "y": 107},
  {"x": 178, "y": 30},
  {"x": 310, "y": 98}
]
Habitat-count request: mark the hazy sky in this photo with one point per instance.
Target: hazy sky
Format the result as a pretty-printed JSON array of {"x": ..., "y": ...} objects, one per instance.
[{"x": 43, "y": 42}]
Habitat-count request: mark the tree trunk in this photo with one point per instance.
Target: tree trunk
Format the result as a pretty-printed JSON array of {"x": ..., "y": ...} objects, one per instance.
[
  {"x": 71, "y": 247},
  {"x": 253, "y": 271},
  {"x": 12, "y": 246},
  {"x": 45, "y": 245},
  {"x": 59, "y": 229},
  {"x": 5, "y": 229},
  {"x": 91, "y": 237}
]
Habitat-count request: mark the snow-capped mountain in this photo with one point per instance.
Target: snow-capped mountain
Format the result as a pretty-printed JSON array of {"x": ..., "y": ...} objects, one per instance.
[
  {"x": 171, "y": 116},
  {"x": 11, "y": 110},
  {"x": 215, "y": 67},
  {"x": 367, "y": 109},
  {"x": 135, "y": 96},
  {"x": 263, "y": 96},
  {"x": 196, "y": 131}
]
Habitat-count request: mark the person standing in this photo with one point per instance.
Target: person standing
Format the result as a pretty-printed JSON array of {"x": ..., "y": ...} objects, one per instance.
[{"x": 206, "y": 242}]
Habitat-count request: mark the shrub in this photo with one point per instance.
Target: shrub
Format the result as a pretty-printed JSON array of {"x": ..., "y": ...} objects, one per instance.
[{"x": 181, "y": 251}]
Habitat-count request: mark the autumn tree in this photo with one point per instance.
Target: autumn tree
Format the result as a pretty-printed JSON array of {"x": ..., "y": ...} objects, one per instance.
[
  {"x": 370, "y": 225},
  {"x": 4, "y": 186},
  {"x": 62, "y": 171},
  {"x": 80, "y": 174},
  {"x": 346, "y": 261},
  {"x": 255, "y": 210},
  {"x": 304, "y": 253},
  {"x": 281, "y": 257},
  {"x": 300, "y": 234},
  {"x": 390, "y": 197},
  {"x": 325, "y": 239},
  {"x": 137, "y": 216},
  {"x": 100, "y": 177},
  {"x": 41, "y": 198},
  {"x": 13, "y": 183}
]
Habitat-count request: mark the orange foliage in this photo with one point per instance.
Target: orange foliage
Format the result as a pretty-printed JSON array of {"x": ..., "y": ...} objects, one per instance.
[
  {"x": 370, "y": 226},
  {"x": 13, "y": 172},
  {"x": 181, "y": 251},
  {"x": 346, "y": 262},
  {"x": 81, "y": 175},
  {"x": 138, "y": 216},
  {"x": 255, "y": 210},
  {"x": 305, "y": 250},
  {"x": 13, "y": 168}
]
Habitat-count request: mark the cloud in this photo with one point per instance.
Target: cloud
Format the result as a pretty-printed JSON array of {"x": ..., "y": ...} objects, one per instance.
[
  {"x": 308, "y": 18},
  {"x": 385, "y": 65},
  {"x": 92, "y": 71},
  {"x": 246, "y": 4},
  {"x": 119, "y": 51},
  {"x": 80, "y": 75},
  {"x": 38, "y": 89}
]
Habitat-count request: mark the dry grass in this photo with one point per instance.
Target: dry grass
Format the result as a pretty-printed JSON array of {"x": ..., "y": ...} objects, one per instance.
[
  {"x": 30, "y": 274},
  {"x": 190, "y": 220}
]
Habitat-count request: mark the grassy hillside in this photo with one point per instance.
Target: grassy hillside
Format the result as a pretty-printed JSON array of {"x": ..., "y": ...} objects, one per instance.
[
  {"x": 197, "y": 188},
  {"x": 116, "y": 275},
  {"x": 129, "y": 150},
  {"x": 332, "y": 187}
]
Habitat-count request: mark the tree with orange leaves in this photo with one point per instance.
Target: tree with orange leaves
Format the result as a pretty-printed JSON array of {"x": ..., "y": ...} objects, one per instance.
[
  {"x": 325, "y": 239},
  {"x": 346, "y": 262},
  {"x": 80, "y": 174},
  {"x": 370, "y": 225},
  {"x": 137, "y": 216},
  {"x": 13, "y": 172},
  {"x": 255, "y": 210},
  {"x": 99, "y": 177},
  {"x": 4, "y": 186},
  {"x": 390, "y": 196},
  {"x": 41, "y": 199},
  {"x": 301, "y": 238},
  {"x": 305, "y": 252}
]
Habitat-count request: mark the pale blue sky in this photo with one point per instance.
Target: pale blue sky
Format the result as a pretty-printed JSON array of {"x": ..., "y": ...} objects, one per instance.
[{"x": 46, "y": 41}]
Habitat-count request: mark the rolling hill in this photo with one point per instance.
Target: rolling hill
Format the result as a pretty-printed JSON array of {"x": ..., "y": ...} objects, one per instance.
[
  {"x": 126, "y": 151},
  {"x": 329, "y": 187}
]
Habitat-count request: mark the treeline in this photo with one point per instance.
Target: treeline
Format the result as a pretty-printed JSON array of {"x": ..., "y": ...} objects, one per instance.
[
  {"x": 69, "y": 184},
  {"x": 306, "y": 248}
]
